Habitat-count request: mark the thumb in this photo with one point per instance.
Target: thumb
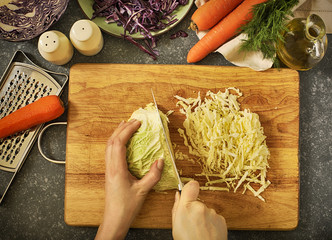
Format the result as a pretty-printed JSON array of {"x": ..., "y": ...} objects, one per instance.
[
  {"x": 153, "y": 176},
  {"x": 175, "y": 206},
  {"x": 189, "y": 192}
]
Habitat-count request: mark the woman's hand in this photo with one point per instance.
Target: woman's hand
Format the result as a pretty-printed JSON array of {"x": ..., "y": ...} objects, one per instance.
[
  {"x": 191, "y": 219},
  {"x": 124, "y": 193}
]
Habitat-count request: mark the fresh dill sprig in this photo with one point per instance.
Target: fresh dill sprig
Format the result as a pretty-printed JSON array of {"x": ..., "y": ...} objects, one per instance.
[{"x": 265, "y": 29}]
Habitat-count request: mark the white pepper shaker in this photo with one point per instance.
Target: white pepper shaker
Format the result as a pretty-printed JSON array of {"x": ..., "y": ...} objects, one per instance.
[
  {"x": 55, "y": 47},
  {"x": 86, "y": 37}
]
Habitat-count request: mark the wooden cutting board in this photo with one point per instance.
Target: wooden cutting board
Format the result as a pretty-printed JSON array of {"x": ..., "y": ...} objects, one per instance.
[{"x": 101, "y": 95}]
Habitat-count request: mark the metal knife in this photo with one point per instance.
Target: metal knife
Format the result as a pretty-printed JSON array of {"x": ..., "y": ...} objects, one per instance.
[{"x": 180, "y": 185}]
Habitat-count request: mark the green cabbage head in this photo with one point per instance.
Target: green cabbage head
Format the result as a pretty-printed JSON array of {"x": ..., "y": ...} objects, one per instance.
[{"x": 148, "y": 144}]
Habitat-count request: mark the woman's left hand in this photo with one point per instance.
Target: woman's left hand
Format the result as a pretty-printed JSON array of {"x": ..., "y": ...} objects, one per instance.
[{"x": 125, "y": 194}]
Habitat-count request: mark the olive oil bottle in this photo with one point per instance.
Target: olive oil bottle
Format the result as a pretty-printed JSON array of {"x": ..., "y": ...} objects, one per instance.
[{"x": 305, "y": 43}]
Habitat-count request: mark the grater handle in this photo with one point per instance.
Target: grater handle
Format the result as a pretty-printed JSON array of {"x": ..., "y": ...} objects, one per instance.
[{"x": 39, "y": 143}]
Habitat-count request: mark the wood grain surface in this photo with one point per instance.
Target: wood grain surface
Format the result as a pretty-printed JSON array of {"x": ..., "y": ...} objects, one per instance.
[{"x": 101, "y": 95}]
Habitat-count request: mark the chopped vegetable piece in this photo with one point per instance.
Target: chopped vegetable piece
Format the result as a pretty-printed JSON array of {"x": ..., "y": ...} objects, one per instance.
[
  {"x": 178, "y": 34},
  {"x": 229, "y": 143},
  {"x": 149, "y": 51}
]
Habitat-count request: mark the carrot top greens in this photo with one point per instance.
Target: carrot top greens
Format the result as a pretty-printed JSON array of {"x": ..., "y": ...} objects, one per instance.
[{"x": 264, "y": 30}]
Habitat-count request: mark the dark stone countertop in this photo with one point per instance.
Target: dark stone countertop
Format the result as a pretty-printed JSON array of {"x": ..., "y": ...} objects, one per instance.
[{"x": 33, "y": 207}]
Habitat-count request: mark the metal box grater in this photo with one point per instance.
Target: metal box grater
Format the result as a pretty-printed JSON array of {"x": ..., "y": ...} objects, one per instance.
[{"x": 21, "y": 84}]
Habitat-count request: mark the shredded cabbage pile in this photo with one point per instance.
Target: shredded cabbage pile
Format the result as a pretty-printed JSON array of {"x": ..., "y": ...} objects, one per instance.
[
  {"x": 149, "y": 144},
  {"x": 229, "y": 143}
]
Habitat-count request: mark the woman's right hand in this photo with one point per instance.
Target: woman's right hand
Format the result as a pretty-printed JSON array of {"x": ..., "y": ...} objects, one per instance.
[{"x": 192, "y": 219}]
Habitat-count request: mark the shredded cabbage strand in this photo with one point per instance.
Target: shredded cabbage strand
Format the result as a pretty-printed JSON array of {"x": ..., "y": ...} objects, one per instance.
[{"x": 229, "y": 143}]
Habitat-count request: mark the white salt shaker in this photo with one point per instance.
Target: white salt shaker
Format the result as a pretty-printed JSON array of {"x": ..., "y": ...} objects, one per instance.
[
  {"x": 55, "y": 47},
  {"x": 86, "y": 37}
]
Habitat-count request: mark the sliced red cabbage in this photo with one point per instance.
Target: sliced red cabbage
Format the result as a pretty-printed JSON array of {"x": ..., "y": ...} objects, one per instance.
[
  {"x": 152, "y": 52},
  {"x": 178, "y": 34},
  {"x": 139, "y": 16}
]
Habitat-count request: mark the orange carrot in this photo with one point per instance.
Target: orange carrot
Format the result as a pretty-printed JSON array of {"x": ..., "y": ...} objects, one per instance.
[
  {"x": 227, "y": 28},
  {"x": 43, "y": 110},
  {"x": 209, "y": 14}
]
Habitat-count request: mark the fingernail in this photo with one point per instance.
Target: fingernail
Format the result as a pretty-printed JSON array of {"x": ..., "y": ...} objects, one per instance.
[
  {"x": 193, "y": 182},
  {"x": 177, "y": 195},
  {"x": 160, "y": 164},
  {"x": 134, "y": 121}
]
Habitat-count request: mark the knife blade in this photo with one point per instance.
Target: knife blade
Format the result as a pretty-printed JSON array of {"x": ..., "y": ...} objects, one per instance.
[{"x": 180, "y": 184}]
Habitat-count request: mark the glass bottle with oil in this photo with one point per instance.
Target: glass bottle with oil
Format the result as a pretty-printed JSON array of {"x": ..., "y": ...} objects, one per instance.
[{"x": 305, "y": 43}]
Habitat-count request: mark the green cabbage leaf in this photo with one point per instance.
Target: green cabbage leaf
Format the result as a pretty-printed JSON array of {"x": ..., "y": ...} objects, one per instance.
[{"x": 149, "y": 144}]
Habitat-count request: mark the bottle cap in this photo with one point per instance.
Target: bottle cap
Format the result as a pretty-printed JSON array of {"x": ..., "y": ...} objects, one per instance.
[
  {"x": 86, "y": 37},
  {"x": 49, "y": 42},
  {"x": 55, "y": 47},
  {"x": 82, "y": 30}
]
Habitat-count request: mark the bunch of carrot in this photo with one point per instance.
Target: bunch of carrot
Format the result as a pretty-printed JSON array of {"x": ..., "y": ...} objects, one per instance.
[
  {"x": 224, "y": 19},
  {"x": 43, "y": 110}
]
